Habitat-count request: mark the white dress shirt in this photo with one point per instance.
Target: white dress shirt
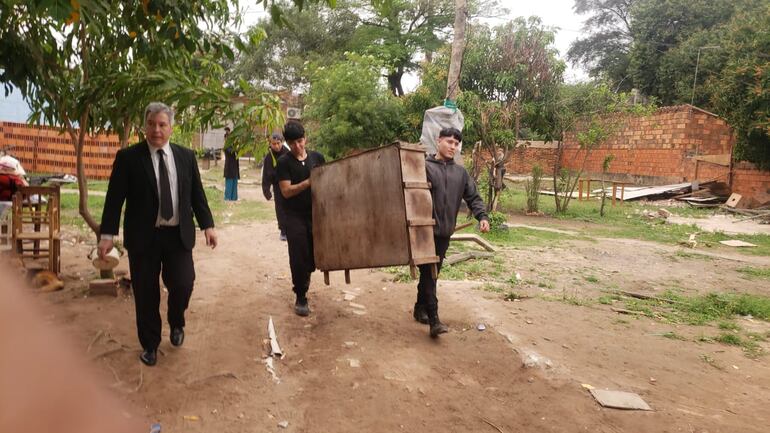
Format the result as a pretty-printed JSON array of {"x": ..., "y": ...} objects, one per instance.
[{"x": 168, "y": 157}]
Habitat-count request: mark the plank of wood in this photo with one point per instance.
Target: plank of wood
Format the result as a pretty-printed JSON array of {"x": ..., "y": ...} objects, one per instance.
[
  {"x": 421, "y": 222},
  {"x": 723, "y": 159},
  {"x": 469, "y": 237},
  {"x": 733, "y": 201},
  {"x": 624, "y": 311},
  {"x": 461, "y": 257},
  {"x": 646, "y": 297}
]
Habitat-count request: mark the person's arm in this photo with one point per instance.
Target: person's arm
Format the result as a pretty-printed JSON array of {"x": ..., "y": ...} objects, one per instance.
[
  {"x": 288, "y": 190},
  {"x": 268, "y": 175},
  {"x": 117, "y": 189},
  {"x": 200, "y": 205},
  {"x": 475, "y": 203}
]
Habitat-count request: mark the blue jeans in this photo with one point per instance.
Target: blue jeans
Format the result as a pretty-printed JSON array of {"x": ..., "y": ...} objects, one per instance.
[{"x": 231, "y": 189}]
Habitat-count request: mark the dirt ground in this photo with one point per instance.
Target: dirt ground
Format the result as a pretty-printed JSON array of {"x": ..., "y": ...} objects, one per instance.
[{"x": 360, "y": 363}]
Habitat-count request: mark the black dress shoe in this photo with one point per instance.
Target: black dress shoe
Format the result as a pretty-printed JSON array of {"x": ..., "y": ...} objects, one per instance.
[
  {"x": 177, "y": 336},
  {"x": 149, "y": 357}
]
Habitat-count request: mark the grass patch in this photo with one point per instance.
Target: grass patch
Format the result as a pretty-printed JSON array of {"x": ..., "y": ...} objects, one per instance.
[
  {"x": 729, "y": 338},
  {"x": 608, "y": 299},
  {"x": 692, "y": 256},
  {"x": 703, "y": 309},
  {"x": 626, "y": 221},
  {"x": 728, "y": 326},
  {"x": 755, "y": 273},
  {"x": 591, "y": 279},
  {"x": 238, "y": 212},
  {"x": 400, "y": 274},
  {"x": 673, "y": 336}
]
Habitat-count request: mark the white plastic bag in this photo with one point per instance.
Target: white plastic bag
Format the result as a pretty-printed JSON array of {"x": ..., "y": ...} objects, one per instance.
[{"x": 436, "y": 119}]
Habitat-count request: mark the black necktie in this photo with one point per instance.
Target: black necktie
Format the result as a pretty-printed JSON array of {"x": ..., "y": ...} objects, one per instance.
[{"x": 166, "y": 205}]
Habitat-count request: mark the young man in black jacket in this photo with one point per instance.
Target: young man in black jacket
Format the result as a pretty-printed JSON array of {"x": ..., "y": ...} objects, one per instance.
[
  {"x": 450, "y": 183},
  {"x": 293, "y": 173},
  {"x": 270, "y": 179}
]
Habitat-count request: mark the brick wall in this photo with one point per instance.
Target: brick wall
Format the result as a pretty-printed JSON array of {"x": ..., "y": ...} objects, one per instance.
[
  {"x": 527, "y": 155},
  {"x": 43, "y": 149},
  {"x": 666, "y": 147},
  {"x": 753, "y": 184}
]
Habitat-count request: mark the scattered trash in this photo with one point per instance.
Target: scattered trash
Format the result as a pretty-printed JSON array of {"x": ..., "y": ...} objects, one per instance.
[
  {"x": 275, "y": 349},
  {"x": 270, "y": 366},
  {"x": 529, "y": 322},
  {"x": 532, "y": 359},
  {"x": 350, "y": 343},
  {"x": 736, "y": 243},
  {"x": 663, "y": 213},
  {"x": 349, "y": 297},
  {"x": 359, "y": 306},
  {"x": 283, "y": 424},
  {"x": 619, "y": 399},
  {"x": 481, "y": 327},
  {"x": 155, "y": 428},
  {"x": 587, "y": 386},
  {"x": 354, "y": 363},
  {"x": 191, "y": 418}
]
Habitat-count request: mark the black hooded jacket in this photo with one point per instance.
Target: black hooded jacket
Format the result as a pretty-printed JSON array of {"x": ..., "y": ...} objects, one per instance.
[{"x": 449, "y": 184}]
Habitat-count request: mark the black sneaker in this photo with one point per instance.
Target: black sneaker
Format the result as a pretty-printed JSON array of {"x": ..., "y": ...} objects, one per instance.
[{"x": 301, "y": 308}]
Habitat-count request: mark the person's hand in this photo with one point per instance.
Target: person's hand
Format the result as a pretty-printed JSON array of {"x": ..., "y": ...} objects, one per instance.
[
  {"x": 269, "y": 197},
  {"x": 211, "y": 237},
  {"x": 104, "y": 247},
  {"x": 484, "y": 226}
]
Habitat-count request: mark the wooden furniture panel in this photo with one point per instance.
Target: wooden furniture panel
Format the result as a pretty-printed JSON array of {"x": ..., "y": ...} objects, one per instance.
[{"x": 373, "y": 210}]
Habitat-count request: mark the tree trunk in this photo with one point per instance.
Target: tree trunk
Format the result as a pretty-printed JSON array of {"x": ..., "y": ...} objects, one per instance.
[
  {"x": 458, "y": 48},
  {"x": 125, "y": 134},
  {"x": 394, "y": 81}
]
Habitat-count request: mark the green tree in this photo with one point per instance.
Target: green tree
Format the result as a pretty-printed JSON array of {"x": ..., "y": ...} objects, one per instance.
[
  {"x": 397, "y": 30},
  {"x": 604, "y": 52},
  {"x": 349, "y": 107},
  {"x": 659, "y": 26},
  {"x": 91, "y": 65},
  {"x": 741, "y": 91},
  {"x": 314, "y": 34},
  {"x": 512, "y": 70}
]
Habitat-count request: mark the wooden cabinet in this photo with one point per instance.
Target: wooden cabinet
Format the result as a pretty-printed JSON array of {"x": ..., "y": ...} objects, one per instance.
[{"x": 373, "y": 210}]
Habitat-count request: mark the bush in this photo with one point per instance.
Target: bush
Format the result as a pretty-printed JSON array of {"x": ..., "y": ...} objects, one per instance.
[{"x": 533, "y": 189}]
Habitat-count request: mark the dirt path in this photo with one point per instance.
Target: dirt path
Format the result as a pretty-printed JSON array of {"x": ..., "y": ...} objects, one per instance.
[{"x": 360, "y": 363}]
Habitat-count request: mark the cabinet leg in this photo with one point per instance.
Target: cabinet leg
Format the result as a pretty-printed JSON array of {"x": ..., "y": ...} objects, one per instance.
[
  {"x": 347, "y": 276},
  {"x": 326, "y": 277}
]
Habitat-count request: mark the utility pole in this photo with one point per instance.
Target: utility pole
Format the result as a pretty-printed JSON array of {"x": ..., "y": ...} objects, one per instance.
[
  {"x": 458, "y": 47},
  {"x": 697, "y": 63}
]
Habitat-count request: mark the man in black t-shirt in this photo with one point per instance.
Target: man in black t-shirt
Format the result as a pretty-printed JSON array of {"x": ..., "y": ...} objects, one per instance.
[{"x": 293, "y": 172}]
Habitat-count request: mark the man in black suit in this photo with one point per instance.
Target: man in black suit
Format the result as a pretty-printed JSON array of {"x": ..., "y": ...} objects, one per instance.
[{"x": 161, "y": 186}]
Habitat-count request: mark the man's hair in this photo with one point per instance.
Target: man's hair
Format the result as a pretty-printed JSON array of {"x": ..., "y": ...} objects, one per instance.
[
  {"x": 227, "y": 128},
  {"x": 451, "y": 132},
  {"x": 293, "y": 131},
  {"x": 159, "y": 107}
]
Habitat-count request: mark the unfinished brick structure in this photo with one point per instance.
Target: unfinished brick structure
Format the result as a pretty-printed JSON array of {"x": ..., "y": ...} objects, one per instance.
[
  {"x": 675, "y": 144},
  {"x": 42, "y": 149}
]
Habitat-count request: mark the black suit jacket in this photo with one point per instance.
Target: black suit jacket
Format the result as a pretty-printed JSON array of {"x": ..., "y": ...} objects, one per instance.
[{"x": 133, "y": 181}]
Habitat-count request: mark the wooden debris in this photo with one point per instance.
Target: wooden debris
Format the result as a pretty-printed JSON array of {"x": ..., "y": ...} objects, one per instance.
[
  {"x": 473, "y": 238},
  {"x": 646, "y": 297},
  {"x": 492, "y": 425},
  {"x": 624, "y": 311},
  {"x": 105, "y": 286},
  {"x": 736, "y": 243},
  {"x": 733, "y": 201},
  {"x": 619, "y": 399},
  {"x": 461, "y": 257}
]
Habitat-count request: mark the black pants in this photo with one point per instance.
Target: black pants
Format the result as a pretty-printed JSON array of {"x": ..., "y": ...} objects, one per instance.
[
  {"x": 278, "y": 199},
  {"x": 171, "y": 260},
  {"x": 426, "y": 287},
  {"x": 299, "y": 236}
]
